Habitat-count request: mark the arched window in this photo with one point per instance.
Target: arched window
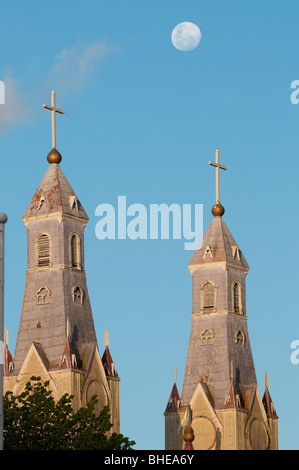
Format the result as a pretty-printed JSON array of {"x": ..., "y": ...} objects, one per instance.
[
  {"x": 237, "y": 305},
  {"x": 43, "y": 295},
  {"x": 208, "y": 297},
  {"x": 43, "y": 250},
  {"x": 240, "y": 338},
  {"x": 77, "y": 294},
  {"x": 206, "y": 337},
  {"x": 75, "y": 251}
]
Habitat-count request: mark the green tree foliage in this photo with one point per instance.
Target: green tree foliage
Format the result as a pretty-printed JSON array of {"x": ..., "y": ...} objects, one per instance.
[{"x": 33, "y": 420}]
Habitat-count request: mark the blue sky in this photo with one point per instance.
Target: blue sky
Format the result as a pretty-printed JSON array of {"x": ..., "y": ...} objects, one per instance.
[{"x": 143, "y": 119}]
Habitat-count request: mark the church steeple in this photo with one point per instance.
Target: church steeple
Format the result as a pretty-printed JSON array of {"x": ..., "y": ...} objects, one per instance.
[
  {"x": 56, "y": 298},
  {"x": 57, "y": 338},
  {"x": 220, "y": 383},
  {"x": 55, "y": 281},
  {"x": 219, "y": 322}
]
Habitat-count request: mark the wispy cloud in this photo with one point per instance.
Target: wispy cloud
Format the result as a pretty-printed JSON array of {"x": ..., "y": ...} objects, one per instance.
[
  {"x": 70, "y": 72},
  {"x": 16, "y": 109},
  {"x": 74, "y": 65}
]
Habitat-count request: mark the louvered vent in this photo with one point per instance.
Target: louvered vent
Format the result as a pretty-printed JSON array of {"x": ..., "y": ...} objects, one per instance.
[
  {"x": 208, "y": 297},
  {"x": 236, "y": 298},
  {"x": 43, "y": 251},
  {"x": 75, "y": 251}
]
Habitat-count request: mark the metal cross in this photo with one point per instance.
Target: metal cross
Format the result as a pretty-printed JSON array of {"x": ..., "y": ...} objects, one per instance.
[
  {"x": 217, "y": 165},
  {"x": 53, "y": 110}
]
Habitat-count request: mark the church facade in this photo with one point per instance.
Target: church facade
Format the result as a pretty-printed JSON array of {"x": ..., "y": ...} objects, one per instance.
[
  {"x": 56, "y": 338},
  {"x": 220, "y": 406}
]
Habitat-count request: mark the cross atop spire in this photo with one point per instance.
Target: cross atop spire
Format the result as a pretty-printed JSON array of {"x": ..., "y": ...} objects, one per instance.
[
  {"x": 53, "y": 110},
  {"x": 217, "y": 165}
]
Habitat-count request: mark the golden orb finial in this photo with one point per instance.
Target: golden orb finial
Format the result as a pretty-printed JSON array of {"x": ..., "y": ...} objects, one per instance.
[
  {"x": 218, "y": 210},
  {"x": 188, "y": 435},
  {"x": 54, "y": 156}
]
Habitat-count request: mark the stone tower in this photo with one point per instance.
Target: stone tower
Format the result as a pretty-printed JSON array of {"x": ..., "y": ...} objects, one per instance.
[
  {"x": 220, "y": 406},
  {"x": 56, "y": 338}
]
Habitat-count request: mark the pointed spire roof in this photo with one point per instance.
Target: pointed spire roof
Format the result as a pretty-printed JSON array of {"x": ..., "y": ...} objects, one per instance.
[
  {"x": 8, "y": 361},
  {"x": 174, "y": 401},
  {"x": 268, "y": 404},
  {"x": 54, "y": 195},
  {"x": 267, "y": 400},
  {"x": 107, "y": 361},
  {"x": 218, "y": 245},
  {"x": 8, "y": 365}
]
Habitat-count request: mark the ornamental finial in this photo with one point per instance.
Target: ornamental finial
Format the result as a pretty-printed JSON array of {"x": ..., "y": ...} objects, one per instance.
[{"x": 106, "y": 339}]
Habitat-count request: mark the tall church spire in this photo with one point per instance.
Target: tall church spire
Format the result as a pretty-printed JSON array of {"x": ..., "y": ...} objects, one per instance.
[
  {"x": 220, "y": 385},
  {"x": 57, "y": 338}
]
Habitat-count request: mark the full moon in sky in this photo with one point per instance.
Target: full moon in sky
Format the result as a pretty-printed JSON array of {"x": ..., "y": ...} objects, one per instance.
[{"x": 186, "y": 36}]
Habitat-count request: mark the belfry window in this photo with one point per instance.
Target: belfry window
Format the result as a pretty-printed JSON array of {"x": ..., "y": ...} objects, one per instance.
[
  {"x": 237, "y": 298},
  {"x": 43, "y": 250},
  {"x": 75, "y": 251},
  {"x": 208, "y": 297}
]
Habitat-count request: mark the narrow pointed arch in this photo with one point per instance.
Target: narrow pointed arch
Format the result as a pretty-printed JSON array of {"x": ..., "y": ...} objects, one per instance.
[
  {"x": 237, "y": 306},
  {"x": 75, "y": 251},
  {"x": 208, "y": 297},
  {"x": 43, "y": 250}
]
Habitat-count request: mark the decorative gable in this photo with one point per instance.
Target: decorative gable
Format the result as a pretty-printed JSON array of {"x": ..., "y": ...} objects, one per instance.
[
  {"x": 208, "y": 251},
  {"x": 232, "y": 399},
  {"x": 74, "y": 202},
  {"x": 236, "y": 252},
  {"x": 68, "y": 359},
  {"x": 35, "y": 363},
  {"x": 43, "y": 200}
]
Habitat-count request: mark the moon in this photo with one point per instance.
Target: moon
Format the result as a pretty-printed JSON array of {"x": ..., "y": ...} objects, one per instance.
[{"x": 186, "y": 36}]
